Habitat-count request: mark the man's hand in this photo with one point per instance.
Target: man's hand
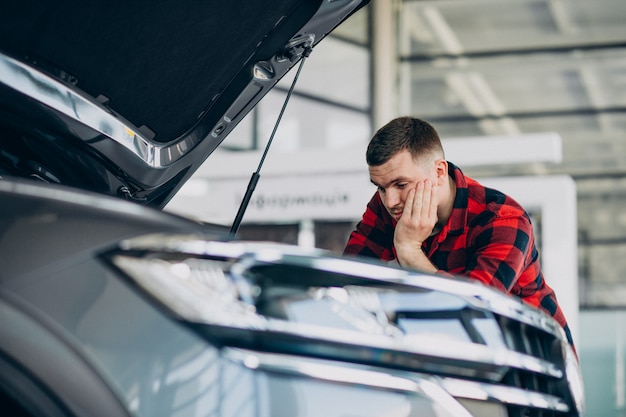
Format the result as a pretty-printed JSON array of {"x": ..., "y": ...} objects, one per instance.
[{"x": 417, "y": 222}]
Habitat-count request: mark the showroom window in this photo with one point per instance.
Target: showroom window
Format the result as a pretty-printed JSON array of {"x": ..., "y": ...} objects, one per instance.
[
  {"x": 330, "y": 106},
  {"x": 530, "y": 66}
]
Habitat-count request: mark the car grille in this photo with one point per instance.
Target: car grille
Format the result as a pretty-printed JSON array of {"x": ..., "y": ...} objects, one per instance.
[
  {"x": 537, "y": 343},
  {"x": 530, "y": 376}
]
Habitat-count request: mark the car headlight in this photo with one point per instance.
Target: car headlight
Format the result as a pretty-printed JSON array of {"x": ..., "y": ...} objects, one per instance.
[{"x": 192, "y": 289}]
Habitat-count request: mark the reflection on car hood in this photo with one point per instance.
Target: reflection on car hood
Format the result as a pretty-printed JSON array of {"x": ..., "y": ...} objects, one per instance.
[{"x": 128, "y": 99}]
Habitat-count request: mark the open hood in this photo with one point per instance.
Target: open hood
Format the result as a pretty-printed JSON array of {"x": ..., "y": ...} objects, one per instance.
[{"x": 130, "y": 98}]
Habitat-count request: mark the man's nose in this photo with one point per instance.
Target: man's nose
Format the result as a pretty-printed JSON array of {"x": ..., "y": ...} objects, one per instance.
[{"x": 392, "y": 198}]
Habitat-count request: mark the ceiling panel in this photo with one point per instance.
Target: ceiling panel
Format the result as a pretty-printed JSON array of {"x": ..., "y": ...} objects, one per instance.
[
  {"x": 492, "y": 67},
  {"x": 486, "y": 26},
  {"x": 526, "y": 83}
]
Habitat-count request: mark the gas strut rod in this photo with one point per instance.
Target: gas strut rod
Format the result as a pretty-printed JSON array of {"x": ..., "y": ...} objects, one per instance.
[{"x": 256, "y": 175}]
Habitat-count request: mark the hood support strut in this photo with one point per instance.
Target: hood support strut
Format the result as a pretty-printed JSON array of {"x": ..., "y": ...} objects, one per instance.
[{"x": 254, "y": 179}]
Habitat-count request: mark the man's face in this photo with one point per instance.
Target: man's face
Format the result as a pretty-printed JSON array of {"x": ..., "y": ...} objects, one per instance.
[{"x": 397, "y": 176}]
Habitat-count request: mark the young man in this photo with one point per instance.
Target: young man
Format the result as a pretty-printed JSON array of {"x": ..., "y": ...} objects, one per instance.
[{"x": 428, "y": 216}]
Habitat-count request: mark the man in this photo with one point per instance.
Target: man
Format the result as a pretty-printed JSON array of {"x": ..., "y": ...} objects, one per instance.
[{"x": 428, "y": 216}]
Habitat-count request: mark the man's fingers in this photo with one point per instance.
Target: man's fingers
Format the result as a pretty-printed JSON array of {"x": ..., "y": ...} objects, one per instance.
[
  {"x": 429, "y": 205},
  {"x": 417, "y": 202},
  {"x": 433, "y": 202},
  {"x": 424, "y": 205},
  {"x": 418, "y": 216},
  {"x": 425, "y": 200},
  {"x": 408, "y": 204}
]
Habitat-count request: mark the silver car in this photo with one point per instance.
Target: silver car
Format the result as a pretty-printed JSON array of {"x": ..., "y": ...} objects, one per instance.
[{"x": 111, "y": 307}]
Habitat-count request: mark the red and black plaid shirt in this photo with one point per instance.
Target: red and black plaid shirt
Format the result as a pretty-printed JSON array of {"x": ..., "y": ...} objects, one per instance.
[{"x": 488, "y": 237}]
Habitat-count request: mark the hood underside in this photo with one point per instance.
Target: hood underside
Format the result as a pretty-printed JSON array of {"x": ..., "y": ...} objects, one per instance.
[{"x": 129, "y": 98}]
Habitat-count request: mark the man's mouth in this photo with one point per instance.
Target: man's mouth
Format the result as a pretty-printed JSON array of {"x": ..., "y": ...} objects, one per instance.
[{"x": 396, "y": 213}]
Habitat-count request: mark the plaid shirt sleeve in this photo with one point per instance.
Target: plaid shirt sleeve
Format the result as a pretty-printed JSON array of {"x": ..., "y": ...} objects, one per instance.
[
  {"x": 504, "y": 256},
  {"x": 500, "y": 252},
  {"x": 373, "y": 236}
]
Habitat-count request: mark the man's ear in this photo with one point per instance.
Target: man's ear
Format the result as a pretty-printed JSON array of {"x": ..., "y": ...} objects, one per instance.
[{"x": 441, "y": 168}]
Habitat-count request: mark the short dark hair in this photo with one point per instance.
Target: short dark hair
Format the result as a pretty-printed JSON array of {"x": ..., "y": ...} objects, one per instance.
[{"x": 415, "y": 135}]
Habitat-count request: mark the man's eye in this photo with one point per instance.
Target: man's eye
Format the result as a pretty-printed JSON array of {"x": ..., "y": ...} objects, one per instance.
[
  {"x": 401, "y": 185},
  {"x": 381, "y": 190}
]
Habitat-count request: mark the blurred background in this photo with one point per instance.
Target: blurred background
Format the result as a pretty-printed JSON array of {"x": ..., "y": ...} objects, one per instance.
[{"x": 529, "y": 95}]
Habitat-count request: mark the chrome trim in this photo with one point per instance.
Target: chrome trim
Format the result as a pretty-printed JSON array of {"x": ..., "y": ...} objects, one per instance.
[
  {"x": 264, "y": 252},
  {"x": 426, "y": 346},
  {"x": 475, "y": 293},
  {"x": 347, "y": 374},
  {"x": 74, "y": 104},
  {"x": 78, "y": 106},
  {"x": 263, "y": 71},
  {"x": 501, "y": 359},
  {"x": 319, "y": 369},
  {"x": 479, "y": 295},
  {"x": 491, "y": 299},
  {"x": 191, "y": 303},
  {"x": 503, "y": 394},
  {"x": 574, "y": 377}
]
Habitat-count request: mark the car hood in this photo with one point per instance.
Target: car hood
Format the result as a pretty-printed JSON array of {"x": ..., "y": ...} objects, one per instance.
[{"x": 129, "y": 98}]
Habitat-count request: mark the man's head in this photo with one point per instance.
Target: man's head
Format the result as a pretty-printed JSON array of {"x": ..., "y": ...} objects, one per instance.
[
  {"x": 403, "y": 153},
  {"x": 404, "y": 133}
]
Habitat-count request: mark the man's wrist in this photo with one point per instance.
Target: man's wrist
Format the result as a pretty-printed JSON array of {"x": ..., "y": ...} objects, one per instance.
[{"x": 416, "y": 259}]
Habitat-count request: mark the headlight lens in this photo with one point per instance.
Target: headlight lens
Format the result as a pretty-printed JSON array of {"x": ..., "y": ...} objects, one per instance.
[{"x": 194, "y": 289}]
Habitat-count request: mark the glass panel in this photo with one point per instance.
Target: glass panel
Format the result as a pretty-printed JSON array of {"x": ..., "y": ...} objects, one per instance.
[
  {"x": 310, "y": 124},
  {"x": 602, "y": 218},
  {"x": 595, "y": 127},
  {"x": 606, "y": 263},
  {"x": 520, "y": 86},
  {"x": 602, "y": 353},
  {"x": 451, "y": 27},
  {"x": 356, "y": 28},
  {"x": 336, "y": 71}
]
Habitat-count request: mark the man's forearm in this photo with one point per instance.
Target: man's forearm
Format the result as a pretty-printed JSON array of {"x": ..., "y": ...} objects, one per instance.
[{"x": 415, "y": 258}]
